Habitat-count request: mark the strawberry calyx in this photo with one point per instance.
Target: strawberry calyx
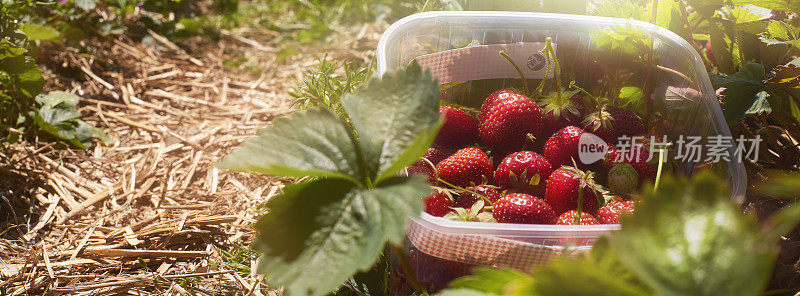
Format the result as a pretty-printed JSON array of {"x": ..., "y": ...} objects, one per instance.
[
  {"x": 559, "y": 103},
  {"x": 599, "y": 120},
  {"x": 476, "y": 213}
]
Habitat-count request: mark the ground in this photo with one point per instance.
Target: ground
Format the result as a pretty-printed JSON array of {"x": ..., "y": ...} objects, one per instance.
[{"x": 151, "y": 214}]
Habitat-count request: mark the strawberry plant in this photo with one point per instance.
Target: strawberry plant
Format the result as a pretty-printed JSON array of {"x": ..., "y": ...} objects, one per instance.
[
  {"x": 684, "y": 239},
  {"x": 322, "y": 230}
]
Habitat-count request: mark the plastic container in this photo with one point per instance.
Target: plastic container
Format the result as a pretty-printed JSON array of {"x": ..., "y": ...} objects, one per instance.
[{"x": 593, "y": 51}]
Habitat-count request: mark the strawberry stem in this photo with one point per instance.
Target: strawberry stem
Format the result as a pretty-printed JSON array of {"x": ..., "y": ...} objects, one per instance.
[
  {"x": 524, "y": 80},
  {"x": 485, "y": 199},
  {"x": 660, "y": 167},
  {"x": 575, "y": 86},
  {"x": 548, "y": 47},
  {"x": 433, "y": 167}
]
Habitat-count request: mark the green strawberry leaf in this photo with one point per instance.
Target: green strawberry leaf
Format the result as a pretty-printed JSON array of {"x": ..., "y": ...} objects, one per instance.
[
  {"x": 319, "y": 233},
  {"x": 745, "y": 93},
  {"x": 307, "y": 143},
  {"x": 58, "y": 115},
  {"x": 39, "y": 32},
  {"x": 23, "y": 72},
  {"x": 488, "y": 281},
  {"x": 396, "y": 119},
  {"x": 683, "y": 236},
  {"x": 779, "y": 32}
]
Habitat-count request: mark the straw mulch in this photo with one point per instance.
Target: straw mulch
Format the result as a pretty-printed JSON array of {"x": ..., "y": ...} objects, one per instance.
[{"x": 151, "y": 215}]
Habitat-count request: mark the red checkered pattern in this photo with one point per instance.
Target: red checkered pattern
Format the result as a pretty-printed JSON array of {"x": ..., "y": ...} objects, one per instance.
[
  {"x": 481, "y": 249},
  {"x": 482, "y": 62}
]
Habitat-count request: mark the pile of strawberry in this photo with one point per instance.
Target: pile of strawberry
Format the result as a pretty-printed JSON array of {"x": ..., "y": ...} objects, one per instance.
[{"x": 533, "y": 175}]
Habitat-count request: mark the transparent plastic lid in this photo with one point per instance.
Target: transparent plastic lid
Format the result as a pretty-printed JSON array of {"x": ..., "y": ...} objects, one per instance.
[{"x": 649, "y": 69}]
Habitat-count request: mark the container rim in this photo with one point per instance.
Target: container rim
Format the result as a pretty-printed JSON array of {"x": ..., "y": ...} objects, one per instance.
[{"x": 496, "y": 228}]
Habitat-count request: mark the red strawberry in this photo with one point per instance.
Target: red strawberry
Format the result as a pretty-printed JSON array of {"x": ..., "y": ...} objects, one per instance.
[
  {"x": 468, "y": 166},
  {"x": 500, "y": 94},
  {"x": 435, "y": 155},
  {"x": 622, "y": 177},
  {"x": 563, "y": 187},
  {"x": 459, "y": 129},
  {"x": 561, "y": 148},
  {"x": 609, "y": 213},
  {"x": 522, "y": 208},
  {"x": 508, "y": 120},
  {"x": 610, "y": 123},
  {"x": 425, "y": 170},
  {"x": 560, "y": 111},
  {"x": 517, "y": 169},
  {"x": 466, "y": 199},
  {"x": 568, "y": 218},
  {"x": 438, "y": 204}
]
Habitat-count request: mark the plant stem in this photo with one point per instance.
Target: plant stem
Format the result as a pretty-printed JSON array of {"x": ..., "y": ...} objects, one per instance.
[
  {"x": 486, "y": 199},
  {"x": 573, "y": 85},
  {"x": 524, "y": 80},
  {"x": 412, "y": 278},
  {"x": 552, "y": 52},
  {"x": 660, "y": 168},
  {"x": 547, "y": 71}
]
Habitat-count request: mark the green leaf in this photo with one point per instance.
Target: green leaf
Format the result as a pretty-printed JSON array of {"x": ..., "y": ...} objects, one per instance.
[
  {"x": 58, "y": 115},
  {"x": 491, "y": 281},
  {"x": 744, "y": 93},
  {"x": 318, "y": 233},
  {"x": 396, "y": 119},
  {"x": 24, "y": 73},
  {"x": 748, "y": 14},
  {"x": 307, "y": 143},
  {"x": 689, "y": 239},
  {"x": 582, "y": 277},
  {"x": 760, "y": 104},
  {"x": 779, "y": 32},
  {"x": 86, "y": 5},
  {"x": 39, "y": 32},
  {"x": 721, "y": 50}
]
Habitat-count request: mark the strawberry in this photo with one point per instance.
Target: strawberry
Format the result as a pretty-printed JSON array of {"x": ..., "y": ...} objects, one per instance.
[
  {"x": 459, "y": 129},
  {"x": 468, "y": 166},
  {"x": 561, "y": 148},
  {"x": 466, "y": 199},
  {"x": 561, "y": 111},
  {"x": 622, "y": 177},
  {"x": 523, "y": 171},
  {"x": 500, "y": 94},
  {"x": 637, "y": 156},
  {"x": 563, "y": 186},
  {"x": 609, "y": 213},
  {"x": 568, "y": 218},
  {"x": 425, "y": 170},
  {"x": 435, "y": 155},
  {"x": 610, "y": 123},
  {"x": 438, "y": 204},
  {"x": 508, "y": 120},
  {"x": 524, "y": 209}
]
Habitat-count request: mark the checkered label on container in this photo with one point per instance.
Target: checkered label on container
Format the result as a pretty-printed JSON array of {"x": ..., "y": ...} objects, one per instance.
[
  {"x": 482, "y": 249},
  {"x": 485, "y": 62}
]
